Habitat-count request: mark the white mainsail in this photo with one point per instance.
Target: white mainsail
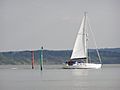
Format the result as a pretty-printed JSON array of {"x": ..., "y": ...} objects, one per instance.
[{"x": 79, "y": 50}]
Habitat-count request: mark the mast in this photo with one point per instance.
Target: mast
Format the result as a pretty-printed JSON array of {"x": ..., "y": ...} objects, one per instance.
[{"x": 85, "y": 36}]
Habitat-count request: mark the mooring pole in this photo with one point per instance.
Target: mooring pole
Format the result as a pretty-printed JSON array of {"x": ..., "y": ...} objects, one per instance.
[
  {"x": 32, "y": 59},
  {"x": 41, "y": 58}
]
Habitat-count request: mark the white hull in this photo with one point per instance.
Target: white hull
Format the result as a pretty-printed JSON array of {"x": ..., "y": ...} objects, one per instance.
[{"x": 82, "y": 66}]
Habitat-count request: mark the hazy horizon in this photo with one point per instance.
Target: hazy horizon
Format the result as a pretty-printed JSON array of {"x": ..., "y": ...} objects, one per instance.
[{"x": 30, "y": 24}]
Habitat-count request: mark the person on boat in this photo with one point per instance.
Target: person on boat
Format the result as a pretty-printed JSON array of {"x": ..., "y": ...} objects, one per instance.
[{"x": 70, "y": 62}]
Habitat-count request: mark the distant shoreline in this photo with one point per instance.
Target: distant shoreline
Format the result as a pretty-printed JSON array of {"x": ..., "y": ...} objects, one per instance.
[{"x": 56, "y": 57}]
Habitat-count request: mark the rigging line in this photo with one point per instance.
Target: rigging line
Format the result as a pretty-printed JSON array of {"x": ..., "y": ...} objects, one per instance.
[{"x": 95, "y": 42}]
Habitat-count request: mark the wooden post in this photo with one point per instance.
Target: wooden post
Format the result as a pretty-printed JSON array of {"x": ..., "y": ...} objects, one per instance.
[{"x": 32, "y": 59}]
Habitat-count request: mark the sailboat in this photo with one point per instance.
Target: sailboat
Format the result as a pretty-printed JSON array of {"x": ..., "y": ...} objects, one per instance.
[{"x": 79, "y": 58}]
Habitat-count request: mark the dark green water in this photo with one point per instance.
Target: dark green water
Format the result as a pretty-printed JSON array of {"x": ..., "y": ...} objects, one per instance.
[{"x": 53, "y": 77}]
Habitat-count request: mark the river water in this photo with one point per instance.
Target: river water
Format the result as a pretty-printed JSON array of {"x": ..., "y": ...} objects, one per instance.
[{"x": 53, "y": 77}]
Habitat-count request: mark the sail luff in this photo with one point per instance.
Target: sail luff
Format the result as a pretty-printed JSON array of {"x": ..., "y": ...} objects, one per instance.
[{"x": 85, "y": 39}]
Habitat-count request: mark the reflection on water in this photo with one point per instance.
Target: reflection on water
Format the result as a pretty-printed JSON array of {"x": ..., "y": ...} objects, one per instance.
[
  {"x": 80, "y": 72},
  {"x": 53, "y": 77}
]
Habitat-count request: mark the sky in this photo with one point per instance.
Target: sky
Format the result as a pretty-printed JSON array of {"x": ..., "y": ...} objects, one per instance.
[{"x": 53, "y": 24}]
